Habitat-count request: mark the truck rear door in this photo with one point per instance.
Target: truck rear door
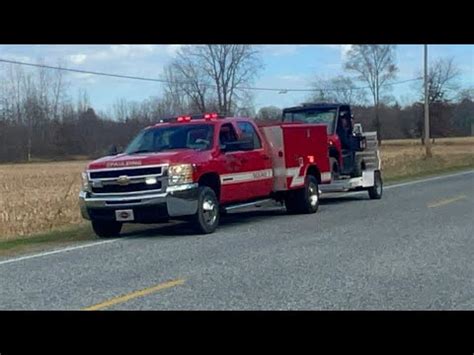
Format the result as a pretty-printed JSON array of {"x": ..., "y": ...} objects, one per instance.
[{"x": 256, "y": 161}]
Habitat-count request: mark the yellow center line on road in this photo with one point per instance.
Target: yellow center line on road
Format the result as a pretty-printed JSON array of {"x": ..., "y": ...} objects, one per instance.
[
  {"x": 446, "y": 201},
  {"x": 133, "y": 295}
]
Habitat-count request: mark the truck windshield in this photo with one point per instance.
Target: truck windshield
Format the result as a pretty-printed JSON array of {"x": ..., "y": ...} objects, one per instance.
[
  {"x": 321, "y": 116},
  {"x": 172, "y": 137}
]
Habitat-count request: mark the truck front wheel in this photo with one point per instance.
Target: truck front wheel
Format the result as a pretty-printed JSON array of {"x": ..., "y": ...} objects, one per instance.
[
  {"x": 207, "y": 216},
  {"x": 106, "y": 229},
  {"x": 305, "y": 200}
]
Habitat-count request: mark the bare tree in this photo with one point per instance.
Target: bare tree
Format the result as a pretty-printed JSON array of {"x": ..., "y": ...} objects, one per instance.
[
  {"x": 466, "y": 94},
  {"x": 120, "y": 110},
  {"x": 442, "y": 87},
  {"x": 340, "y": 89},
  {"x": 442, "y": 75},
  {"x": 269, "y": 113},
  {"x": 174, "y": 93},
  {"x": 375, "y": 66},
  {"x": 186, "y": 77},
  {"x": 207, "y": 73}
]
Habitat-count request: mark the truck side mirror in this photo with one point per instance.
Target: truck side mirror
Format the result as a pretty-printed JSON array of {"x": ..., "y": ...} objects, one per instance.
[
  {"x": 357, "y": 129},
  {"x": 113, "y": 150}
]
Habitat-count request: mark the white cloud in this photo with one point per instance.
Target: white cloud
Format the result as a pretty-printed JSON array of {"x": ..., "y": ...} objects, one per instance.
[
  {"x": 281, "y": 49},
  {"x": 173, "y": 48},
  {"x": 84, "y": 78},
  {"x": 132, "y": 49},
  {"x": 343, "y": 48},
  {"x": 77, "y": 58}
]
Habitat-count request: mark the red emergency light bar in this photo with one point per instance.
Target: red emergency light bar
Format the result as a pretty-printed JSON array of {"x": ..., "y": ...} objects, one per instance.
[
  {"x": 209, "y": 116},
  {"x": 189, "y": 118}
]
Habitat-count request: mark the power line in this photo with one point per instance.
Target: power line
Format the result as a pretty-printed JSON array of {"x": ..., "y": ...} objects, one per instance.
[{"x": 281, "y": 90}]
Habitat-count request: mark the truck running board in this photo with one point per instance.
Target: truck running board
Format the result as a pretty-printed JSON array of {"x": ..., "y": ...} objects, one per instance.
[{"x": 268, "y": 202}]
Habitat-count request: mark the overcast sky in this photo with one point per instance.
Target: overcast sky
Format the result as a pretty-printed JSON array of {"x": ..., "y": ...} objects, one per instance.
[{"x": 285, "y": 66}]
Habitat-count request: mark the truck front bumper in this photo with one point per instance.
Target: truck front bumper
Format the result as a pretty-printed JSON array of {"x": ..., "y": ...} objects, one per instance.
[{"x": 176, "y": 201}]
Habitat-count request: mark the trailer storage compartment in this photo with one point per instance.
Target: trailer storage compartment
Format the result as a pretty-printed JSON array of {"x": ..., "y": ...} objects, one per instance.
[{"x": 294, "y": 148}]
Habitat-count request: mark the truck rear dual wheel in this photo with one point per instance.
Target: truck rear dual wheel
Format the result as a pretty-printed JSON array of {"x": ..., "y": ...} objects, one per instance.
[
  {"x": 206, "y": 219},
  {"x": 375, "y": 192},
  {"x": 107, "y": 229},
  {"x": 305, "y": 200}
]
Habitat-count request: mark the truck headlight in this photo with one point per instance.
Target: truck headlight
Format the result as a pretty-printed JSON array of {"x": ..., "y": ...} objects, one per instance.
[
  {"x": 85, "y": 182},
  {"x": 180, "y": 174}
]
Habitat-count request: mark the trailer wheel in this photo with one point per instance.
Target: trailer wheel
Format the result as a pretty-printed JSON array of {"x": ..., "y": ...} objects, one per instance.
[
  {"x": 305, "y": 200},
  {"x": 376, "y": 191},
  {"x": 206, "y": 219},
  {"x": 106, "y": 229}
]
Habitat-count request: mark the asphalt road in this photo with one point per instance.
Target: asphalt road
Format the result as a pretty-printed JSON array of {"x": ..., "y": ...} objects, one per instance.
[{"x": 411, "y": 250}]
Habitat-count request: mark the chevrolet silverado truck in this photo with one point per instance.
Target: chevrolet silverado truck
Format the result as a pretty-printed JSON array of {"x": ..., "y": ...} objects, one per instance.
[{"x": 197, "y": 167}]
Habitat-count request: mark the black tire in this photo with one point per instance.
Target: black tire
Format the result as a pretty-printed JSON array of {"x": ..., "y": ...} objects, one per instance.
[
  {"x": 206, "y": 220},
  {"x": 335, "y": 170},
  {"x": 376, "y": 191},
  {"x": 291, "y": 203},
  {"x": 107, "y": 229},
  {"x": 305, "y": 200}
]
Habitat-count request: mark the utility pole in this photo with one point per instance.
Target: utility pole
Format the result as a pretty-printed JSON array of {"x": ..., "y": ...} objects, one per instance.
[{"x": 427, "y": 109}]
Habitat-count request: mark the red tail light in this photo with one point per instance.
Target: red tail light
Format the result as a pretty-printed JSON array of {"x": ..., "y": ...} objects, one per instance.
[{"x": 183, "y": 119}]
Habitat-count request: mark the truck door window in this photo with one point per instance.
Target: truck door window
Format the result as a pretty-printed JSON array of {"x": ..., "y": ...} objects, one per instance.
[
  {"x": 248, "y": 132},
  {"x": 227, "y": 134},
  {"x": 315, "y": 116}
]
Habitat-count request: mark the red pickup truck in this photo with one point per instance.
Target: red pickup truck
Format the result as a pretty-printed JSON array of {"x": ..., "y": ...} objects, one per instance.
[{"x": 197, "y": 167}]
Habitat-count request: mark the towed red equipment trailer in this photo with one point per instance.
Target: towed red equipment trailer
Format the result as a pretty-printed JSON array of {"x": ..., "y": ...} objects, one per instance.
[
  {"x": 195, "y": 168},
  {"x": 353, "y": 154}
]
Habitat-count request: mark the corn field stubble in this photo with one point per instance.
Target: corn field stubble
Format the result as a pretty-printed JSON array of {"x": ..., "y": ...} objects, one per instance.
[
  {"x": 43, "y": 197},
  {"x": 38, "y": 197}
]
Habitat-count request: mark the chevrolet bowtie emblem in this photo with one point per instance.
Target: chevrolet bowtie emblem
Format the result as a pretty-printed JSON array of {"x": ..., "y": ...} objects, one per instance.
[{"x": 123, "y": 180}]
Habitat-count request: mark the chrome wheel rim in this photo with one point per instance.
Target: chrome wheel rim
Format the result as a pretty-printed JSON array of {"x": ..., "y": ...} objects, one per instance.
[
  {"x": 209, "y": 211},
  {"x": 313, "y": 195}
]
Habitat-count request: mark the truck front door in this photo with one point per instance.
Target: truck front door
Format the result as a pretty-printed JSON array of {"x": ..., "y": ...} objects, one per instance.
[{"x": 246, "y": 172}]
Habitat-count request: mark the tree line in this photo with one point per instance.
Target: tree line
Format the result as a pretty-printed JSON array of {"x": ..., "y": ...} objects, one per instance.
[{"x": 39, "y": 119}]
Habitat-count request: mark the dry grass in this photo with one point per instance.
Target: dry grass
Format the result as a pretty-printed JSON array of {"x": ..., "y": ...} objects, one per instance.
[
  {"x": 40, "y": 197},
  {"x": 402, "y": 158}
]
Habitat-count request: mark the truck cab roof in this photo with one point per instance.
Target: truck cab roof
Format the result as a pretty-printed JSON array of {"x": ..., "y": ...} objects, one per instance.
[
  {"x": 198, "y": 119},
  {"x": 314, "y": 106}
]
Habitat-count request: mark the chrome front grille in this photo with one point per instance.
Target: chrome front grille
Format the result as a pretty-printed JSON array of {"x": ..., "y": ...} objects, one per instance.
[
  {"x": 145, "y": 171},
  {"x": 132, "y": 187},
  {"x": 128, "y": 180}
]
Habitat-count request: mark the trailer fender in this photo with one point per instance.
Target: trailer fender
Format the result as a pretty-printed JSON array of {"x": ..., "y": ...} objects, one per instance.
[{"x": 368, "y": 178}]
